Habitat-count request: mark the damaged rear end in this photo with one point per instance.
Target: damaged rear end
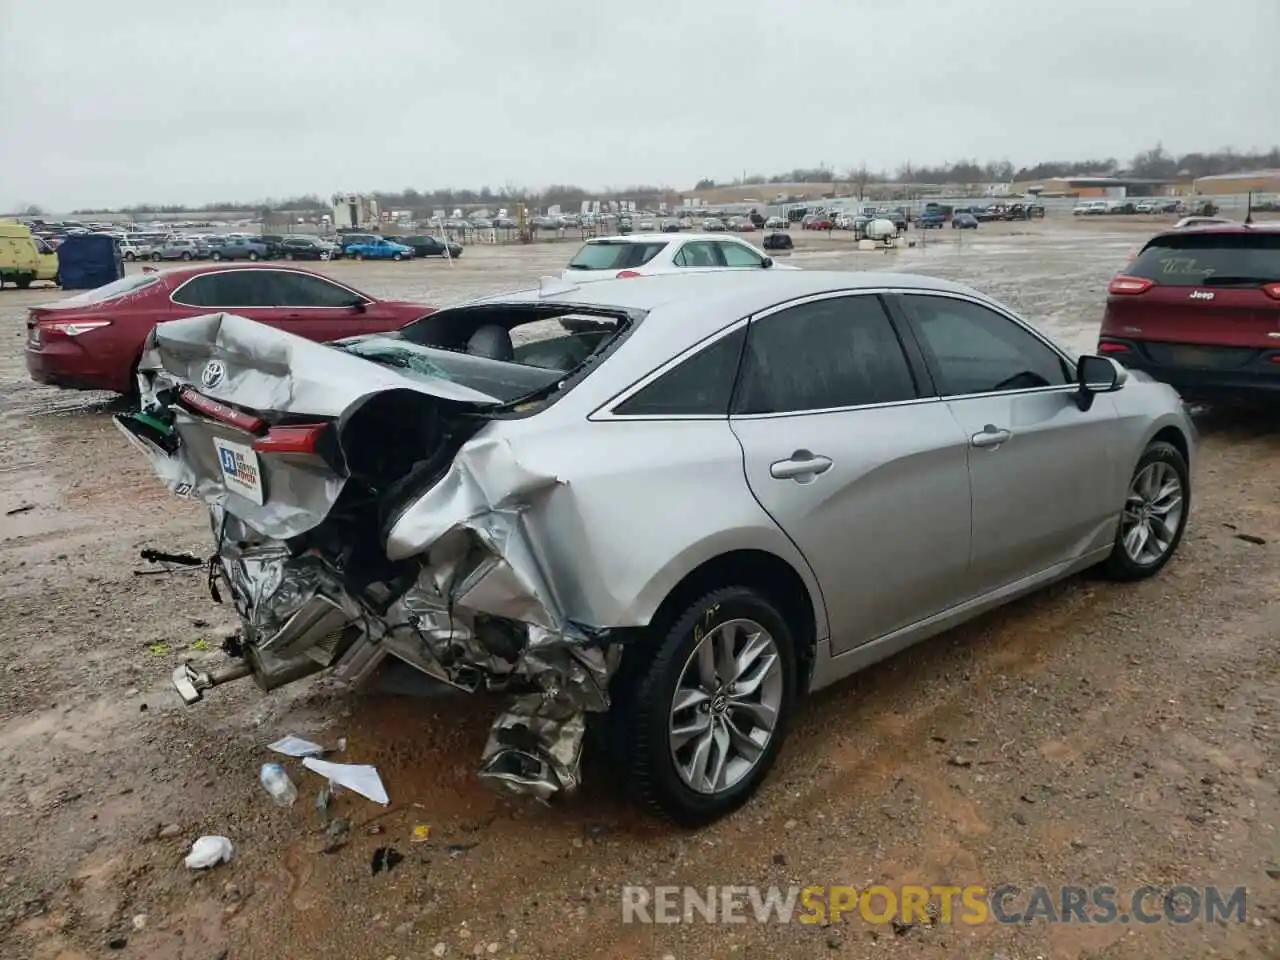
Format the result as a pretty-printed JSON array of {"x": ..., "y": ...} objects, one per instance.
[{"x": 365, "y": 509}]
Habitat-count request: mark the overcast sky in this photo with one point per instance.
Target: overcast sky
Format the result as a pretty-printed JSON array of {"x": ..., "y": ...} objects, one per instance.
[{"x": 108, "y": 102}]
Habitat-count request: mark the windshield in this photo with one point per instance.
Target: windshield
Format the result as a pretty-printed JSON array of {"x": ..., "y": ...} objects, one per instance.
[
  {"x": 117, "y": 288},
  {"x": 1196, "y": 259},
  {"x": 614, "y": 255}
]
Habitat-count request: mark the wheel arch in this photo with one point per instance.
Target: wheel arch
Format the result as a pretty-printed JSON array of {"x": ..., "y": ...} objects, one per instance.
[{"x": 775, "y": 578}]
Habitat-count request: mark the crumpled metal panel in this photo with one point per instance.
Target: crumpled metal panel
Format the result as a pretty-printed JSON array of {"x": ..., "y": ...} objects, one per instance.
[
  {"x": 483, "y": 611},
  {"x": 269, "y": 369}
]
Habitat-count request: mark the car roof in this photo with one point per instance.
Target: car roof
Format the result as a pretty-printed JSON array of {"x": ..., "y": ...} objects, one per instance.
[
  {"x": 740, "y": 293},
  {"x": 176, "y": 274},
  {"x": 1266, "y": 227},
  {"x": 659, "y": 237},
  {"x": 683, "y": 310}
]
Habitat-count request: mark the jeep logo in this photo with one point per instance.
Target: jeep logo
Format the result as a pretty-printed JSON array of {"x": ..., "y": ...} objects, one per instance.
[{"x": 1201, "y": 295}]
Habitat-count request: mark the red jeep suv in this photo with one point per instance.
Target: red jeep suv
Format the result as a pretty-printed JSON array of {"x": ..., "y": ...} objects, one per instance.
[{"x": 1199, "y": 308}]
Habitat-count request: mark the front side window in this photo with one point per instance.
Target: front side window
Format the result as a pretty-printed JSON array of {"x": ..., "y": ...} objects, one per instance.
[
  {"x": 699, "y": 385},
  {"x": 976, "y": 350},
  {"x": 736, "y": 255},
  {"x": 838, "y": 352}
]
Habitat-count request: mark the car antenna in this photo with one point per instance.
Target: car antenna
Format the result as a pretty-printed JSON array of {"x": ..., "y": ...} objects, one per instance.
[{"x": 1248, "y": 216}]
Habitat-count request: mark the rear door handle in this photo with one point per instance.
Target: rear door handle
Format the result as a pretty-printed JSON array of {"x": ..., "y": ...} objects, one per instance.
[
  {"x": 991, "y": 436},
  {"x": 802, "y": 466}
]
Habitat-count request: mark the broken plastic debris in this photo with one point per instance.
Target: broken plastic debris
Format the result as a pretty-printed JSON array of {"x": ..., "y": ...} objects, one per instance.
[
  {"x": 421, "y": 833},
  {"x": 356, "y": 777},
  {"x": 159, "y": 649},
  {"x": 276, "y": 782},
  {"x": 208, "y": 852},
  {"x": 292, "y": 746}
]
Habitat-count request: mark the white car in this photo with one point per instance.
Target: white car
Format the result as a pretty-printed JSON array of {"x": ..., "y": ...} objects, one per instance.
[
  {"x": 1202, "y": 221},
  {"x": 646, "y": 254}
]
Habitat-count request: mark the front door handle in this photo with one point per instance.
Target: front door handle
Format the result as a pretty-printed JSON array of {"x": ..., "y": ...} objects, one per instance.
[
  {"x": 991, "y": 436},
  {"x": 802, "y": 466}
]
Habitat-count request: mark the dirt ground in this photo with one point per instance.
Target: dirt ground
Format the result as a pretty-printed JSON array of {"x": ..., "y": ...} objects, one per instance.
[{"x": 1090, "y": 734}]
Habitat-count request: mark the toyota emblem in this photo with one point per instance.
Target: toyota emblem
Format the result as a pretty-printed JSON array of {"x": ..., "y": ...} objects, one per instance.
[{"x": 213, "y": 373}]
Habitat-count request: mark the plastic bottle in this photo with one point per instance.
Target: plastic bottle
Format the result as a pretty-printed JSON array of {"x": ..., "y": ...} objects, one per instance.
[{"x": 277, "y": 783}]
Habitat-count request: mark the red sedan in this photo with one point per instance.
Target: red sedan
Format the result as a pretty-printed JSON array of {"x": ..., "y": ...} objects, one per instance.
[{"x": 94, "y": 341}]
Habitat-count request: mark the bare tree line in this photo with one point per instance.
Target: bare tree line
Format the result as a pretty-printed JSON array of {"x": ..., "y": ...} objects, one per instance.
[{"x": 1154, "y": 163}]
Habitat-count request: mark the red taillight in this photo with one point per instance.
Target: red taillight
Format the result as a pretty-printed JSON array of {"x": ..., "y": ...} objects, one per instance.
[
  {"x": 219, "y": 411},
  {"x": 1129, "y": 285},
  {"x": 301, "y": 438},
  {"x": 627, "y": 273},
  {"x": 1272, "y": 290},
  {"x": 73, "y": 328},
  {"x": 1105, "y": 346}
]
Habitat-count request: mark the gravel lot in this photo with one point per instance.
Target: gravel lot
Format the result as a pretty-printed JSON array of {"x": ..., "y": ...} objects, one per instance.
[{"x": 1089, "y": 734}]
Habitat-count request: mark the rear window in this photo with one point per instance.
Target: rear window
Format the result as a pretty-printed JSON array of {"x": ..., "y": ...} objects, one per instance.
[
  {"x": 611, "y": 255},
  {"x": 1210, "y": 259},
  {"x": 110, "y": 291}
]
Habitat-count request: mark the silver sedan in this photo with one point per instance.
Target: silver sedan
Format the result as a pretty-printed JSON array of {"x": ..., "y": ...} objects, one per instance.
[{"x": 665, "y": 507}]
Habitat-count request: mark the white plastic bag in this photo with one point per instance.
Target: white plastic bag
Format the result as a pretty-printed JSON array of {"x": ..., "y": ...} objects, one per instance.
[{"x": 208, "y": 852}]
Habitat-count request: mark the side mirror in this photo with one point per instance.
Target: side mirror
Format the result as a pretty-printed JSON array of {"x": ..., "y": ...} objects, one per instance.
[
  {"x": 767, "y": 262},
  {"x": 1096, "y": 375},
  {"x": 359, "y": 306}
]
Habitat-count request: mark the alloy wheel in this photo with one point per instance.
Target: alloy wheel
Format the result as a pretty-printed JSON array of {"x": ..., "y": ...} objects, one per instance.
[
  {"x": 1152, "y": 513},
  {"x": 726, "y": 706}
]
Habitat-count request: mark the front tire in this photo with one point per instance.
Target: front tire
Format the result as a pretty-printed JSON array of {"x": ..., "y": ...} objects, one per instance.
[
  {"x": 699, "y": 718},
  {"x": 253, "y": 255},
  {"x": 1154, "y": 516},
  {"x": 215, "y": 255},
  {"x": 156, "y": 258}
]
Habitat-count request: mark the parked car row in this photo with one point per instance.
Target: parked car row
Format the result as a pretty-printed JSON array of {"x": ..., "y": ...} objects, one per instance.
[
  {"x": 1149, "y": 205},
  {"x": 271, "y": 247}
]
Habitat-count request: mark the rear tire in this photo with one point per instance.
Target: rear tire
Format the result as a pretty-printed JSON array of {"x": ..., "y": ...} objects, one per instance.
[
  {"x": 156, "y": 258},
  {"x": 1158, "y": 501},
  {"x": 22, "y": 283},
  {"x": 359, "y": 256},
  {"x": 644, "y": 719},
  {"x": 215, "y": 255},
  {"x": 253, "y": 255},
  {"x": 186, "y": 256}
]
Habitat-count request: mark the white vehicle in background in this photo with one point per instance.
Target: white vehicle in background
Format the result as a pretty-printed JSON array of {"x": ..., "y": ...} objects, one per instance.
[
  {"x": 1186, "y": 222},
  {"x": 648, "y": 254},
  {"x": 1089, "y": 208},
  {"x": 136, "y": 248}
]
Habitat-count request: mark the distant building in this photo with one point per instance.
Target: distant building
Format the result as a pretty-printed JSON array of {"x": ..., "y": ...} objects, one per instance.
[
  {"x": 1257, "y": 181},
  {"x": 1102, "y": 188}
]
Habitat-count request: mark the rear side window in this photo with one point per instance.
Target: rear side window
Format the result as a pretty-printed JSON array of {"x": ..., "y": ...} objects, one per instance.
[
  {"x": 702, "y": 384},
  {"x": 838, "y": 352},
  {"x": 1210, "y": 259},
  {"x": 609, "y": 255}
]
